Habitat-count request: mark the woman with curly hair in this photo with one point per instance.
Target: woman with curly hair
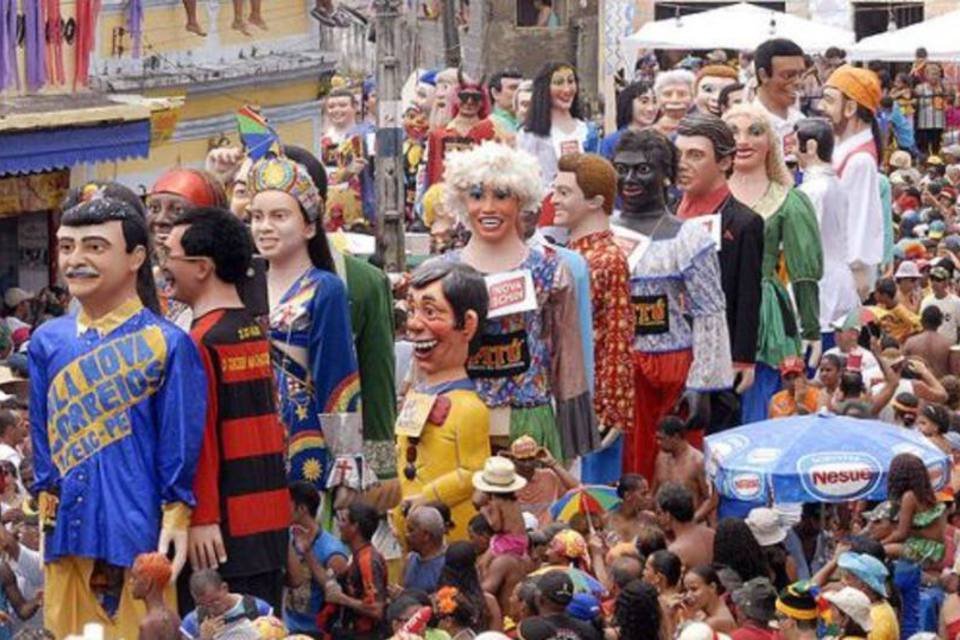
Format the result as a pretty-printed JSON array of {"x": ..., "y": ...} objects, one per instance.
[
  {"x": 460, "y": 571},
  {"x": 734, "y": 546},
  {"x": 921, "y": 520},
  {"x": 637, "y": 614}
]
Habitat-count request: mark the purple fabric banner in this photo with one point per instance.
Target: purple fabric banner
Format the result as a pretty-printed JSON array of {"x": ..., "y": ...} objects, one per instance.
[
  {"x": 9, "y": 73},
  {"x": 135, "y": 25},
  {"x": 35, "y": 45}
]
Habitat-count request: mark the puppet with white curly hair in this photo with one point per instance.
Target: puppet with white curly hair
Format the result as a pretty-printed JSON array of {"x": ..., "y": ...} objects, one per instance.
[{"x": 530, "y": 358}]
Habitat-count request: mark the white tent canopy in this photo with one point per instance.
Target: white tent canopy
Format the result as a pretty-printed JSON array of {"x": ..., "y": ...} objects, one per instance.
[
  {"x": 740, "y": 26},
  {"x": 938, "y": 35}
]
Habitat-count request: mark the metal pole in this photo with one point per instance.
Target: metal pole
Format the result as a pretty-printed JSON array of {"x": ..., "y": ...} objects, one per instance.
[
  {"x": 451, "y": 35},
  {"x": 389, "y": 160}
]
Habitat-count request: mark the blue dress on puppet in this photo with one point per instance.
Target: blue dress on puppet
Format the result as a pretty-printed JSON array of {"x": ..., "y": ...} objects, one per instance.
[
  {"x": 117, "y": 412},
  {"x": 318, "y": 383}
]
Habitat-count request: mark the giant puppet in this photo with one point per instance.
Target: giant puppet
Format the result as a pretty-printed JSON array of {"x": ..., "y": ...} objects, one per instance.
[
  {"x": 792, "y": 253},
  {"x": 681, "y": 347},
  {"x": 583, "y": 194},
  {"x": 311, "y": 339},
  {"x": 443, "y": 432},
  {"x": 529, "y": 367},
  {"x": 117, "y": 404}
]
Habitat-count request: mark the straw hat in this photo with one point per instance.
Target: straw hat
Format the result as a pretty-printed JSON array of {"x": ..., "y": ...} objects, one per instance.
[{"x": 498, "y": 476}]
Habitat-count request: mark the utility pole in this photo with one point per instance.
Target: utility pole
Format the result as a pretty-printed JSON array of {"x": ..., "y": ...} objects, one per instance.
[
  {"x": 451, "y": 35},
  {"x": 389, "y": 160}
]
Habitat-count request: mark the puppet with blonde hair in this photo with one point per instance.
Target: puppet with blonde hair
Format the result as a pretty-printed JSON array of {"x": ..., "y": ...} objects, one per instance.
[
  {"x": 792, "y": 253},
  {"x": 149, "y": 577},
  {"x": 529, "y": 368}
]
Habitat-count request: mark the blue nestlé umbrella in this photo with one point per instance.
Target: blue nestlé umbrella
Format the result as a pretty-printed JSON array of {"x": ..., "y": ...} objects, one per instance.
[{"x": 814, "y": 458}]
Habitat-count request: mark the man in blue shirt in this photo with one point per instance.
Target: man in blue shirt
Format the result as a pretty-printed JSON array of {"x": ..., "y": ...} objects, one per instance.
[
  {"x": 425, "y": 530},
  {"x": 316, "y": 557}
]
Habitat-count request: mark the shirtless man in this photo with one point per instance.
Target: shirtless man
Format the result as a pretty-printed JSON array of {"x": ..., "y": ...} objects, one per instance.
[
  {"x": 931, "y": 345},
  {"x": 499, "y": 575},
  {"x": 692, "y": 542},
  {"x": 680, "y": 463},
  {"x": 150, "y": 575}
]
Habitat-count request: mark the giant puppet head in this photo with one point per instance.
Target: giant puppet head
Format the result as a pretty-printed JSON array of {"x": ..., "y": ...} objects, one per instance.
[
  {"x": 646, "y": 163},
  {"x": 757, "y": 143},
  {"x": 706, "y": 147},
  {"x": 470, "y": 99},
  {"x": 447, "y": 305},
  {"x": 711, "y": 80},
  {"x": 674, "y": 91},
  {"x": 103, "y": 252},
  {"x": 585, "y": 186},
  {"x": 178, "y": 190},
  {"x": 489, "y": 185}
]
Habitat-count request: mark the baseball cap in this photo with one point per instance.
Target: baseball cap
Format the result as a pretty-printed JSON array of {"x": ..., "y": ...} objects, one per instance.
[
  {"x": 556, "y": 586},
  {"x": 937, "y": 229},
  {"x": 584, "y": 606},
  {"x": 791, "y": 364},
  {"x": 756, "y": 599},
  {"x": 939, "y": 273},
  {"x": 868, "y": 569}
]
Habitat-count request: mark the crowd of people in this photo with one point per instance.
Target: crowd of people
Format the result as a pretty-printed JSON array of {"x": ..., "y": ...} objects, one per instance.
[{"x": 222, "y": 398}]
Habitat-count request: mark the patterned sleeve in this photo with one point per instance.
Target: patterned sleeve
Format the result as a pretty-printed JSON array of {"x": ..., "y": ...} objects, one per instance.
[
  {"x": 803, "y": 252},
  {"x": 712, "y": 368},
  {"x": 336, "y": 381},
  {"x": 573, "y": 403},
  {"x": 613, "y": 339}
]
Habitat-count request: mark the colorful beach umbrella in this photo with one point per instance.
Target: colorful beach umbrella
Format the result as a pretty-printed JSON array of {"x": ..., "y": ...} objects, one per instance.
[{"x": 591, "y": 498}]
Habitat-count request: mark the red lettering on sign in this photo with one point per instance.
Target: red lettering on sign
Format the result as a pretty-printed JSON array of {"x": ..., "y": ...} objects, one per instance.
[
  {"x": 506, "y": 293},
  {"x": 841, "y": 477}
]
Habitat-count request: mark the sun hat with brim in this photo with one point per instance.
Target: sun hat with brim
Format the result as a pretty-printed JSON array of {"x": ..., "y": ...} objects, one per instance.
[
  {"x": 15, "y": 295},
  {"x": 907, "y": 269},
  {"x": 935, "y": 161},
  {"x": 798, "y": 601},
  {"x": 766, "y": 527},
  {"x": 498, "y": 476},
  {"x": 854, "y": 604},
  {"x": 7, "y": 376},
  {"x": 868, "y": 569}
]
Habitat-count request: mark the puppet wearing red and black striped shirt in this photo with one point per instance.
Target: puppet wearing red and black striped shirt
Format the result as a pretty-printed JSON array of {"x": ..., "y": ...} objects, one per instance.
[{"x": 241, "y": 480}]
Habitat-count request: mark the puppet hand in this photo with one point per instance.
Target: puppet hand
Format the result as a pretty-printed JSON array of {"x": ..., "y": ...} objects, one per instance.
[
  {"x": 747, "y": 378},
  {"x": 47, "y": 506},
  {"x": 205, "y": 544},
  {"x": 610, "y": 437},
  {"x": 173, "y": 531},
  {"x": 815, "y": 350}
]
